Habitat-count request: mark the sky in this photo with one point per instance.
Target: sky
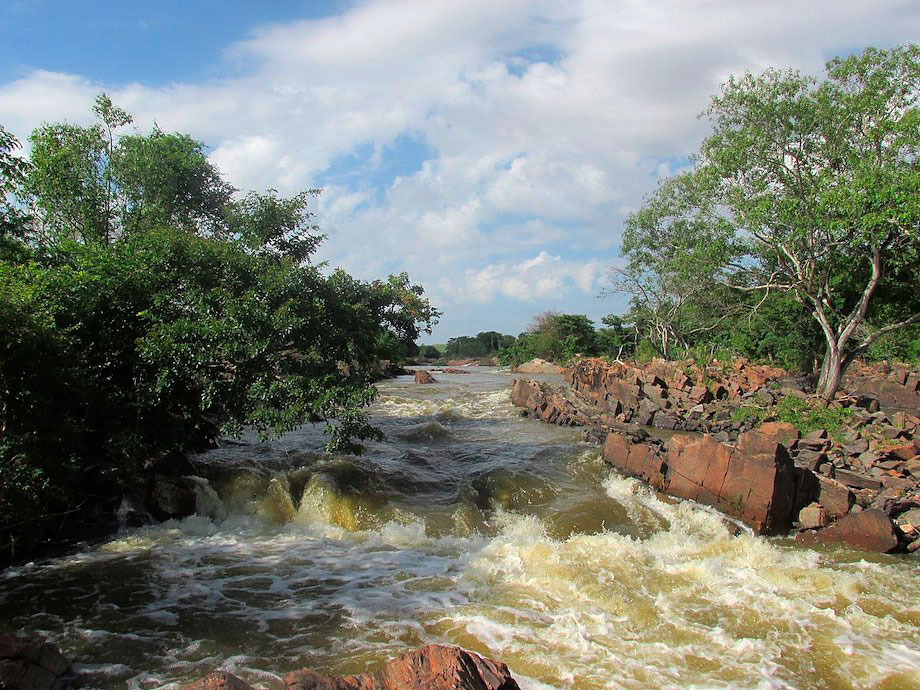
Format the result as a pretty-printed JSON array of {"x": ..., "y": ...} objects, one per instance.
[{"x": 490, "y": 148}]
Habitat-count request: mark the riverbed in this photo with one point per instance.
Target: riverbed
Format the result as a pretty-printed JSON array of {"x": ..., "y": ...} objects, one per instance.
[{"x": 468, "y": 525}]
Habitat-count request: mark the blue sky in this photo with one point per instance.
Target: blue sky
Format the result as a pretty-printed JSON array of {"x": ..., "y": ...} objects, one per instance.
[{"x": 491, "y": 148}]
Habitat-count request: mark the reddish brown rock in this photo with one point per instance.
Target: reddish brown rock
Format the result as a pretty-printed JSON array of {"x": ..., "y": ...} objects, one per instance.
[
  {"x": 780, "y": 432},
  {"x": 635, "y": 459},
  {"x": 422, "y": 376},
  {"x": 813, "y": 516},
  {"x": 903, "y": 452},
  {"x": 552, "y": 404},
  {"x": 219, "y": 680},
  {"x": 754, "y": 481},
  {"x": 870, "y": 530},
  {"x": 857, "y": 480},
  {"x": 435, "y": 667},
  {"x": 836, "y": 498},
  {"x": 31, "y": 664}
]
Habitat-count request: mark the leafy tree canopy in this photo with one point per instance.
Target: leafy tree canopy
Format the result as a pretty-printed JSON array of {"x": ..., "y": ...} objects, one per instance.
[{"x": 806, "y": 187}]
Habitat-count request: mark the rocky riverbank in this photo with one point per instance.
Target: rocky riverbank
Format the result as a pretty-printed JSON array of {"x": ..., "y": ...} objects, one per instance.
[
  {"x": 858, "y": 483},
  {"x": 36, "y": 664}
]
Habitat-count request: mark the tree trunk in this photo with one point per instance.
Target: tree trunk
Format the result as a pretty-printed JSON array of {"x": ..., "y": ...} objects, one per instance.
[{"x": 831, "y": 372}]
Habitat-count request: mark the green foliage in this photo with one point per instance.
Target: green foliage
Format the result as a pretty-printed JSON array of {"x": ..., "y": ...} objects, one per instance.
[
  {"x": 430, "y": 352},
  {"x": 13, "y": 170},
  {"x": 806, "y": 188},
  {"x": 166, "y": 180},
  {"x": 554, "y": 337},
  {"x": 484, "y": 344},
  {"x": 804, "y": 415},
  {"x": 163, "y": 314}
]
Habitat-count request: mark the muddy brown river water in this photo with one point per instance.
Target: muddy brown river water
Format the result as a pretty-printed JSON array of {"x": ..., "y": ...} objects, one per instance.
[{"x": 473, "y": 526}]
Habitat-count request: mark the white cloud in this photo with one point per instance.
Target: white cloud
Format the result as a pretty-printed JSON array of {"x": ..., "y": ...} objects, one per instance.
[
  {"x": 528, "y": 160},
  {"x": 538, "y": 278}
]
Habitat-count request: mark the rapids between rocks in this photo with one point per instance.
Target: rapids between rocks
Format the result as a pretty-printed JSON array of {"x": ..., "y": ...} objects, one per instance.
[{"x": 471, "y": 526}]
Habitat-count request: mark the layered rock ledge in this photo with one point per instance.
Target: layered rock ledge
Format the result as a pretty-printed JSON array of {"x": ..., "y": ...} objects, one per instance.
[
  {"x": 435, "y": 667},
  {"x": 860, "y": 487}
]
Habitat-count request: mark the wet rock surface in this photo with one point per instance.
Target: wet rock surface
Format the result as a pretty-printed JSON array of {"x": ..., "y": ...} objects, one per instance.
[
  {"x": 435, "y": 667},
  {"x": 32, "y": 664},
  {"x": 774, "y": 478},
  {"x": 753, "y": 481}
]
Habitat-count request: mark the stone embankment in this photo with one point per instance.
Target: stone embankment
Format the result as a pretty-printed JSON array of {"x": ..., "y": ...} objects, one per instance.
[{"x": 859, "y": 486}]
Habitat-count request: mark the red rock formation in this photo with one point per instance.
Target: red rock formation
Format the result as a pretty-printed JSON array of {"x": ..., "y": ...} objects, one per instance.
[
  {"x": 219, "y": 680},
  {"x": 754, "y": 481},
  {"x": 780, "y": 432},
  {"x": 435, "y": 667},
  {"x": 422, "y": 376},
  {"x": 551, "y": 404},
  {"x": 870, "y": 530}
]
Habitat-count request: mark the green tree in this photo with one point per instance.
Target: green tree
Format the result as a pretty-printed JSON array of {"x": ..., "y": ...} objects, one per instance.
[
  {"x": 13, "y": 170},
  {"x": 166, "y": 180},
  {"x": 67, "y": 180},
  {"x": 151, "y": 324},
  {"x": 817, "y": 185}
]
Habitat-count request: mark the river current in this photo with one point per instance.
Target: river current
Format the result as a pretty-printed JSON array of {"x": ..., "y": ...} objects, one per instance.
[{"x": 468, "y": 525}]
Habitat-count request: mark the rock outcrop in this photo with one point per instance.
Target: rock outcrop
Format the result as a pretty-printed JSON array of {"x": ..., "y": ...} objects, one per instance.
[
  {"x": 870, "y": 530},
  {"x": 537, "y": 366},
  {"x": 774, "y": 478},
  {"x": 32, "y": 664},
  {"x": 753, "y": 481},
  {"x": 669, "y": 395},
  {"x": 435, "y": 667},
  {"x": 552, "y": 404},
  {"x": 422, "y": 376},
  {"x": 895, "y": 388}
]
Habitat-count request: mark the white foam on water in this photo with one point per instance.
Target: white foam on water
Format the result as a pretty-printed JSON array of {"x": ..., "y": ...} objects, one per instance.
[{"x": 266, "y": 583}]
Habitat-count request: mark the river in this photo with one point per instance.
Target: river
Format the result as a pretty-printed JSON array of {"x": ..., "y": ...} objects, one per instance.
[{"x": 473, "y": 526}]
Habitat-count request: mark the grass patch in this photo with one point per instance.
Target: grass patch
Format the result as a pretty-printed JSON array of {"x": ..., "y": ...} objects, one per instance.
[{"x": 804, "y": 415}]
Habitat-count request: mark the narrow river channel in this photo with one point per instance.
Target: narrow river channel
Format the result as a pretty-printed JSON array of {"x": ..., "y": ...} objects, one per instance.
[{"x": 473, "y": 526}]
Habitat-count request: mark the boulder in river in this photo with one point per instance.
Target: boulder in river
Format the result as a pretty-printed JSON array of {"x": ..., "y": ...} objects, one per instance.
[
  {"x": 422, "y": 376},
  {"x": 870, "y": 530},
  {"x": 31, "y": 664}
]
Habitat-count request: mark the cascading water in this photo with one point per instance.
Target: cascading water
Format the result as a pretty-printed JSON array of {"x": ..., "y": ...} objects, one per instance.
[{"x": 468, "y": 525}]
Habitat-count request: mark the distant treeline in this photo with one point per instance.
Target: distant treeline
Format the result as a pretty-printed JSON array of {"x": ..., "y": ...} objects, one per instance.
[{"x": 779, "y": 331}]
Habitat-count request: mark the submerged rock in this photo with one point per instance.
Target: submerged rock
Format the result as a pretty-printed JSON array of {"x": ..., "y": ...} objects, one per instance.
[
  {"x": 31, "y": 664},
  {"x": 435, "y": 667}
]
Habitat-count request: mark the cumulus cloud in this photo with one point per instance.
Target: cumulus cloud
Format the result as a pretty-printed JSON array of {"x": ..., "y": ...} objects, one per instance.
[
  {"x": 543, "y": 122},
  {"x": 538, "y": 278}
]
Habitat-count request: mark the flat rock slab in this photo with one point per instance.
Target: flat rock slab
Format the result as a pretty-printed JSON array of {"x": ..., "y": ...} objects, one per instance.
[{"x": 537, "y": 366}]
